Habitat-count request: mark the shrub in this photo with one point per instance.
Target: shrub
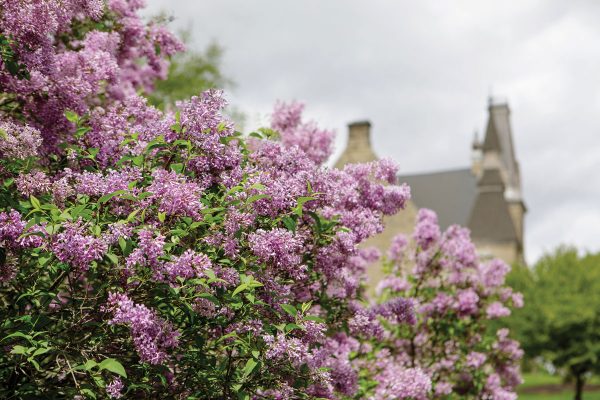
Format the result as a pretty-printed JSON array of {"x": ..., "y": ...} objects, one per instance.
[{"x": 164, "y": 255}]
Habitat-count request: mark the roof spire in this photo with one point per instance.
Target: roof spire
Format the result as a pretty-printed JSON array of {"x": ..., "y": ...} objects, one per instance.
[{"x": 476, "y": 145}]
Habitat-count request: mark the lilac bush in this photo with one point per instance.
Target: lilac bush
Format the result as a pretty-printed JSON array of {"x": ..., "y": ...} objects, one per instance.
[
  {"x": 455, "y": 296},
  {"x": 150, "y": 254}
]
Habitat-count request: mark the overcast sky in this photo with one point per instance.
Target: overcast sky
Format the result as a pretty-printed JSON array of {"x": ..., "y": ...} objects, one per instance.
[{"x": 421, "y": 72}]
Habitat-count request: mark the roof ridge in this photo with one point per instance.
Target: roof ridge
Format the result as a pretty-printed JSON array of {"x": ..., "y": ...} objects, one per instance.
[{"x": 461, "y": 169}]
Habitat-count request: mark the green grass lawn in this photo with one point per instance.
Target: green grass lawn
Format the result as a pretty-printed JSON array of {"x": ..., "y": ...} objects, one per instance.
[
  {"x": 532, "y": 380},
  {"x": 558, "y": 396}
]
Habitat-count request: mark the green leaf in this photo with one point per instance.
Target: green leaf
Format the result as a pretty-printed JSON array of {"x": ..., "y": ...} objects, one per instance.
[
  {"x": 122, "y": 244},
  {"x": 306, "y": 306},
  {"x": 317, "y": 219},
  {"x": 71, "y": 116},
  {"x": 290, "y": 223},
  {"x": 239, "y": 289},
  {"x": 18, "y": 349},
  {"x": 300, "y": 207},
  {"x": 112, "y": 365},
  {"x": 35, "y": 202},
  {"x": 35, "y": 363},
  {"x": 81, "y": 131},
  {"x": 112, "y": 257},
  {"x": 210, "y": 274},
  {"x": 18, "y": 334},
  {"x": 109, "y": 196},
  {"x": 39, "y": 351},
  {"x": 88, "y": 393},
  {"x": 210, "y": 297},
  {"x": 290, "y": 309},
  {"x": 250, "y": 365},
  {"x": 256, "y": 197},
  {"x": 138, "y": 160},
  {"x": 177, "y": 167},
  {"x": 291, "y": 327},
  {"x": 89, "y": 364},
  {"x": 162, "y": 216},
  {"x": 314, "y": 318},
  {"x": 132, "y": 215}
]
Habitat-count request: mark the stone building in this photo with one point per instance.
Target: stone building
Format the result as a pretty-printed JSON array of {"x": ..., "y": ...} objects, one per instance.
[{"x": 485, "y": 197}]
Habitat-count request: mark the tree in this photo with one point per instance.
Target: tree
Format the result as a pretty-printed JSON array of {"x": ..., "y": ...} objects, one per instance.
[
  {"x": 561, "y": 318},
  {"x": 189, "y": 74}
]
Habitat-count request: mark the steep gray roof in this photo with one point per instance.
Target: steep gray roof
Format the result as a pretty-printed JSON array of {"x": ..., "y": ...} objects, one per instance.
[
  {"x": 451, "y": 194},
  {"x": 491, "y": 218}
]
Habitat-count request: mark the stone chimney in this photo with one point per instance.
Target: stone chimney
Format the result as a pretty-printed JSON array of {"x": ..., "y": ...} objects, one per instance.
[{"x": 358, "y": 149}]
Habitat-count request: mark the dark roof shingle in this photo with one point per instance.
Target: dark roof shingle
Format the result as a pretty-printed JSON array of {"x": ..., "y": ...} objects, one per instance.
[{"x": 451, "y": 194}]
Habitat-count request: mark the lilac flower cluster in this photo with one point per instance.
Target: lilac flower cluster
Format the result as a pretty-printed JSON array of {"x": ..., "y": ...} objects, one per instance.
[
  {"x": 427, "y": 231},
  {"x": 280, "y": 248},
  {"x": 18, "y": 141},
  {"x": 77, "y": 248},
  {"x": 150, "y": 248},
  {"x": 399, "y": 310},
  {"x": 113, "y": 389},
  {"x": 396, "y": 382},
  {"x": 73, "y": 72},
  {"x": 152, "y": 336},
  {"x": 316, "y": 143},
  {"x": 188, "y": 265},
  {"x": 175, "y": 195}
]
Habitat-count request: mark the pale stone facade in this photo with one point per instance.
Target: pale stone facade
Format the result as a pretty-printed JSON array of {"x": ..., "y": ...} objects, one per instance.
[{"x": 485, "y": 197}]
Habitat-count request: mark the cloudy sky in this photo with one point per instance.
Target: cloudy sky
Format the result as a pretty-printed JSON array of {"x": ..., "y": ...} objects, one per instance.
[{"x": 421, "y": 72}]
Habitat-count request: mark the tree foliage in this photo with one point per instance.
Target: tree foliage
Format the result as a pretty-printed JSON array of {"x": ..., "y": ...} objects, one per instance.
[
  {"x": 561, "y": 319},
  {"x": 190, "y": 73}
]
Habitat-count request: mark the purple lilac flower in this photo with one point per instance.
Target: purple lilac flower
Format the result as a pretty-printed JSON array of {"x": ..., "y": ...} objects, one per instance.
[
  {"x": 175, "y": 195},
  {"x": 316, "y": 143},
  {"x": 394, "y": 283},
  {"x": 33, "y": 183},
  {"x": 292, "y": 349},
  {"x": 114, "y": 388},
  {"x": 11, "y": 227},
  {"x": 75, "y": 247},
  {"x": 280, "y": 248},
  {"x": 443, "y": 388},
  {"x": 494, "y": 272},
  {"x": 517, "y": 300},
  {"x": 458, "y": 249},
  {"x": 17, "y": 141},
  {"x": 152, "y": 336},
  {"x": 427, "y": 231},
  {"x": 189, "y": 265},
  {"x": 399, "y": 309},
  {"x": 475, "y": 359},
  {"x": 364, "y": 323},
  {"x": 396, "y": 382},
  {"x": 495, "y": 390},
  {"x": 396, "y": 250},
  {"x": 496, "y": 310},
  {"x": 150, "y": 248},
  {"x": 467, "y": 302}
]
